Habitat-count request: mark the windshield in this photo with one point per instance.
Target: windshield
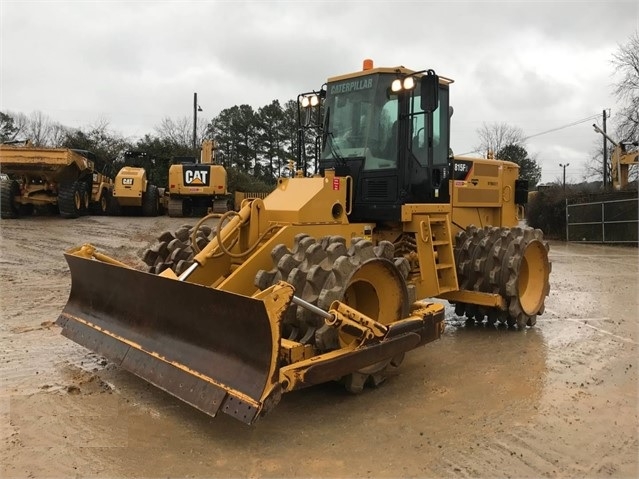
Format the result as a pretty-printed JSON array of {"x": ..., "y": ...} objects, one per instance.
[{"x": 361, "y": 121}]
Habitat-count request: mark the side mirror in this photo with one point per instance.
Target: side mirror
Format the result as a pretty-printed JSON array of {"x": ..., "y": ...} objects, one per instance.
[{"x": 430, "y": 92}]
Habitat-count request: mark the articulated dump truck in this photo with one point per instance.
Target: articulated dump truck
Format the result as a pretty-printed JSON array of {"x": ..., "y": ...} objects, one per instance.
[
  {"x": 331, "y": 277},
  {"x": 71, "y": 182}
]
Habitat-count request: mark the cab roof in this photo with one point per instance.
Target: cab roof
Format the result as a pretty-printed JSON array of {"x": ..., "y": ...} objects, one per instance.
[{"x": 400, "y": 70}]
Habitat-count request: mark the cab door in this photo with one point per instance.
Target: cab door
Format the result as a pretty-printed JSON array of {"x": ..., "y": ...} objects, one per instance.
[{"x": 428, "y": 150}]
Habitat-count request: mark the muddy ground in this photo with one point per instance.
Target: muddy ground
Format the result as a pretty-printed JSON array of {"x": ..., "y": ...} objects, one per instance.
[{"x": 557, "y": 400}]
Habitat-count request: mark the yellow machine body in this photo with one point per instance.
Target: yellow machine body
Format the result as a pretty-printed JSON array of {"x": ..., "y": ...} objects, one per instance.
[
  {"x": 267, "y": 364},
  {"x": 132, "y": 189},
  {"x": 205, "y": 180},
  {"x": 486, "y": 194},
  {"x": 198, "y": 187},
  {"x": 328, "y": 278},
  {"x": 59, "y": 177},
  {"x": 623, "y": 157},
  {"x": 621, "y": 162},
  {"x": 130, "y": 184}
]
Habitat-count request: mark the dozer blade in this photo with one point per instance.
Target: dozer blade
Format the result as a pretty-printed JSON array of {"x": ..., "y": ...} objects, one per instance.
[{"x": 210, "y": 348}]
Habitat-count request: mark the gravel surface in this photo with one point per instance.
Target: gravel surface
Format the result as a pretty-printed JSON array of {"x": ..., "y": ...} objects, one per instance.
[{"x": 556, "y": 400}]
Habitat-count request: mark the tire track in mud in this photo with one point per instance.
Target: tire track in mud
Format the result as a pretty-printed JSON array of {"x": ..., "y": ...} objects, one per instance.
[
  {"x": 584, "y": 376},
  {"x": 513, "y": 450},
  {"x": 527, "y": 451}
]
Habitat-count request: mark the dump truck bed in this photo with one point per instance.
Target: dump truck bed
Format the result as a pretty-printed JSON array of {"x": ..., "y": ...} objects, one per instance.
[{"x": 47, "y": 161}]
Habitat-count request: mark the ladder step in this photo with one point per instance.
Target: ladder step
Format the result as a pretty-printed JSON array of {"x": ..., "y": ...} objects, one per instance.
[
  {"x": 444, "y": 266},
  {"x": 440, "y": 243},
  {"x": 446, "y": 289}
]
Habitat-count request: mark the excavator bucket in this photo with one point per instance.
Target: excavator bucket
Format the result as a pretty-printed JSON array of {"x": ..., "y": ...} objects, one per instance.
[{"x": 212, "y": 349}]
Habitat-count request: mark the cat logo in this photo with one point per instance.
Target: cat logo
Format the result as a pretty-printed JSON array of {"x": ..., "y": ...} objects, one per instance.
[
  {"x": 196, "y": 176},
  {"x": 127, "y": 181}
]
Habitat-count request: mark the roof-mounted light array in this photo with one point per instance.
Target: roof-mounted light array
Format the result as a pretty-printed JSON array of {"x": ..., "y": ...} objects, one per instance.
[
  {"x": 403, "y": 84},
  {"x": 310, "y": 101}
]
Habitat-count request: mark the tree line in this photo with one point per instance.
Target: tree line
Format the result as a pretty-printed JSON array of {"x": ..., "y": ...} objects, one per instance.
[{"x": 257, "y": 143}]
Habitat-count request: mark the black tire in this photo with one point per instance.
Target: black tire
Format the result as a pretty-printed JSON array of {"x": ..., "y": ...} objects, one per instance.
[
  {"x": 101, "y": 207},
  {"x": 85, "y": 198},
  {"x": 113, "y": 207},
  {"x": 70, "y": 199},
  {"x": 151, "y": 201},
  {"x": 9, "y": 189}
]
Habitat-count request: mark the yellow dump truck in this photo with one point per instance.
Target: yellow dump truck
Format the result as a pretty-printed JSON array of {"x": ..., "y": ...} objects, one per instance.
[{"x": 73, "y": 182}]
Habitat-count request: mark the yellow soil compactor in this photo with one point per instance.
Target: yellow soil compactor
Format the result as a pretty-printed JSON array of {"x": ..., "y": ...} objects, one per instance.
[{"x": 329, "y": 277}]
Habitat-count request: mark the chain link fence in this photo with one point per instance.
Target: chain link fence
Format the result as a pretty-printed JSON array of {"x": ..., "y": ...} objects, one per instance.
[{"x": 606, "y": 221}]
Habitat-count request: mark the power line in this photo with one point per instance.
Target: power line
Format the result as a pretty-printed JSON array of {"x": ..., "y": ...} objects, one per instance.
[
  {"x": 568, "y": 125},
  {"x": 583, "y": 120}
]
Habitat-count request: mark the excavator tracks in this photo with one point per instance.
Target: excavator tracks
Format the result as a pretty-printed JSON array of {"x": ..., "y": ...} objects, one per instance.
[{"x": 512, "y": 262}]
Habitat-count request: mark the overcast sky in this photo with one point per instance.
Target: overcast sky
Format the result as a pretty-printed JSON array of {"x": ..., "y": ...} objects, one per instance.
[{"x": 537, "y": 65}]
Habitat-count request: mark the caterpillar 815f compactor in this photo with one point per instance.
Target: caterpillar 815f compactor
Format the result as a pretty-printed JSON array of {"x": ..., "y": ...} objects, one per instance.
[{"x": 325, "y": 278}]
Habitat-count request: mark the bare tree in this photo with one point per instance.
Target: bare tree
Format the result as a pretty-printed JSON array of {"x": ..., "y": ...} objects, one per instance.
[
  {"x": 495, "y": 137},
  {"x": 58, "y": 135},
  {"x": 593, "y": 168},
  {"x": 39, "y": 129},
  {"x": 20, "y": 122},
  {"x": 180, "y": 131},
  {"x": 626, "y": 62}
]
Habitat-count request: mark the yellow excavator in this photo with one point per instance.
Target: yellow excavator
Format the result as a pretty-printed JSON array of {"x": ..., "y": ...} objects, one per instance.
[
  {"x": 197, "y": 188},
  {"x": 332, "y": 276},
  {"x": 622, "y": 159}
]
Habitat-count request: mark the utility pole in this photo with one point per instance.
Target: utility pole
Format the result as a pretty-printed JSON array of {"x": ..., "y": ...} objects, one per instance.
[
  {"x": 605, "y": 153},
  {"x": 196, "y": 108},
  {"x": 564, "y": 167}
]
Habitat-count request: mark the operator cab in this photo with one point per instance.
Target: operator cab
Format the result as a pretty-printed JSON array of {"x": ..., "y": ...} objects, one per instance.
[{"x": 387, "y": 128}]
